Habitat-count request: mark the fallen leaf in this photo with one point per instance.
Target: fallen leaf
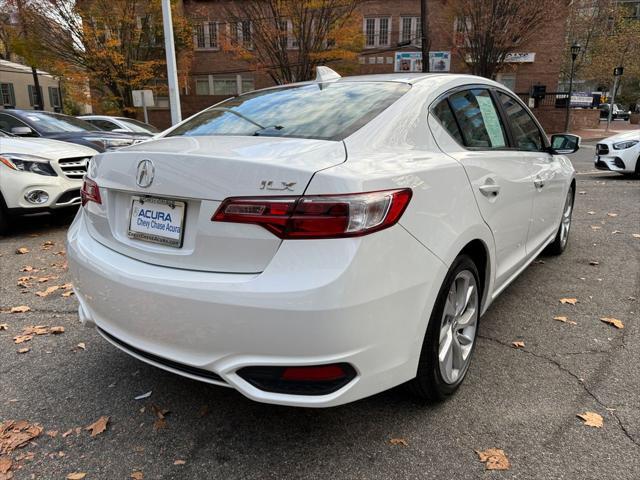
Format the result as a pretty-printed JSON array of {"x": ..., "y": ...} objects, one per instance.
[
  {"x": 613, "y": 321},
  {"x": 565, "y": 320},
  {"x": 582, "y": 192},
  {"x": 179, "y": 462},
  {"x": 98, "y": 426},
  {"x": 56, "y": 330},
  {"x": 52, "y": 433},
  {"x": 24, "y": 350},
  {"x": 518, "y": 344},
  {"x": 61, "y": 252},
  {"x": 67, "y": 433},
  {"x": 616, "y": 232},
  {"x": 28, "y": 268},
  {"x": 159, "y": 424},
  {"x": 635, "y": 235},
  {"x": 67, "y": 294},
  {"x": 612, "y": 214},
  {"x": 16, "y": 434},
  {"x": 67, "y": 286},
  {"x": 494, "y": 459},
  {"x": 570, "y": 301},
  {"x": 22, "y": 250},
  {"x": 48, "y": 291},
  {"x": 159, "y": 412},
  {"x": 20, "y": 309},
  {"x": 399, "y": 441},
  {"x": 591, "y": 212},
  {"x": 82, "y": 346},
  {"x": 5, "y": 464},
  {"x": 4, "y": 326},
  {"x": 76, "y": 476},
  {"x": 594, "y": 263},
  {"x": 144, "y": 395},
  {"x": 137, "y": 475},
  {"x": 591, "y": 419},
  {"x": 595, "y": 227}
]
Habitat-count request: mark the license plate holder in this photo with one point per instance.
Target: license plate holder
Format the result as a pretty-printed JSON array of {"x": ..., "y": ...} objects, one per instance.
[{"x": 157, "y": 220}]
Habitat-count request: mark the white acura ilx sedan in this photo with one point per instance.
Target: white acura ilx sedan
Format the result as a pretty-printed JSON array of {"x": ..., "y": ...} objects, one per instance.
[{"x": 316, "y": 243}]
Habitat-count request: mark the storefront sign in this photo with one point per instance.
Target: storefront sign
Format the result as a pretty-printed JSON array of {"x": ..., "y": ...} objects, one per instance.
[
  {"x": 520, "y": 57},
  {"x": 412, "y": 61}
]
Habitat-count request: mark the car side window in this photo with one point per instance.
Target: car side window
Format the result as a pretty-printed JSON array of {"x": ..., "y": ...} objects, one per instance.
[
  {"x": 104, "y": 124},
  {"x": 526, "y": 134},
  {"x": 478, "y": 119},
  {"x": 443, "y": 112},
  {"x": 7, "y": 122}
]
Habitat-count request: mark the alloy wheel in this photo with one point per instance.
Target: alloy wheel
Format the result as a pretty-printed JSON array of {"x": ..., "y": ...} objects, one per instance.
[
  {"x": 565, "y": 225},
  {"x": 458, "y": 327}
]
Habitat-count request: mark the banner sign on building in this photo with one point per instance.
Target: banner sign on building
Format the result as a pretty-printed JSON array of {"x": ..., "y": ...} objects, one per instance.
[
  {"x": 520, "y": 57},
  {"x": 412, "y": 61}
]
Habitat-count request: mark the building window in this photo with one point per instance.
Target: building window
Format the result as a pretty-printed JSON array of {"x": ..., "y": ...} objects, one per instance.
[
  {"x": 205, "y": 36},
  {"x": 508, "y": 80},
  {"x": 376, "y": 32},
  {"x": 7, "y": 96},
  {"x": 33, "y": 101},
  {"x": 241, "y": 33},
  {"x": 227, "y": 85},
  {"x": 54, "y": 98},
  {"x": 288, "y": 39},
  {"x": 411, "y": 30}
]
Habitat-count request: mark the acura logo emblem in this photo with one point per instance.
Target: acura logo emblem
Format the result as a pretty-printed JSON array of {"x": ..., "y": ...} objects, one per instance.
[{"x": 145, "y": 174}]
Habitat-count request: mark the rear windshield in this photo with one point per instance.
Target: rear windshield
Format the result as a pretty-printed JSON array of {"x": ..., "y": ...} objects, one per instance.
[{"x": 329, "y": 111}]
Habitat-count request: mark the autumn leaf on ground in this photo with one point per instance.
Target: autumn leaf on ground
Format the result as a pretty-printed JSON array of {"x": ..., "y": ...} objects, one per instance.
[
  {"x": 616, "y": 232},
  {"x": 24, "y": 350},
  {"x": 179, "y": 462},
  {"x": 20, "y": 309},
  {"x": 28, "y": 268},
  {"x": 595, "y": 227},
  {"x": 56, "y": 330},
  {"x": 52, "y": 433},
  {"x": 593, "y": 263},
  {"x": 399, "y": 441},
  {"x": 67, "y": 433},
  {"x": 518, "y": 344},
  {"x": 67, "y": 294},
  {"x": 76, "y": 476},
  {"x": 98, "y": 426},
  {"x": 81, "y": 346},
  {"x": 591, "y": 419},
  {"x": 565, "y": 320},
  {"x": 16, "y": 434},
  {"x": 5, "y": 464},
  {"x": 612, "y": 214},
  {"x": 613, "y": 321},
  {"x": 4, "y": 326},
  {"x": 582, "y": 192},
  {"x": 22, "y": 250},
  {"x": 494, "y": 459},
  {"x": 570, "y": 301},
  {"x": 591, "y": 212},
  {"x": 160, "y": 412},
  {"x": 159, "y": 424},
  {"x": 48, "y": 291},
  {"x": 635, "y": 235},
  {"x": 137, "y": 475}
]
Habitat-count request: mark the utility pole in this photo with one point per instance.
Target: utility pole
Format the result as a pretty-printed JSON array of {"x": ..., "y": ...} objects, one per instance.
[
  {"x": 424, "y": 23},
  {"x": 172, "y": 69}
]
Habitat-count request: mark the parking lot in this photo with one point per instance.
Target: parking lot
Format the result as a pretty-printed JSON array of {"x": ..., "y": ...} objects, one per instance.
[{"x": 522, "y": 400}]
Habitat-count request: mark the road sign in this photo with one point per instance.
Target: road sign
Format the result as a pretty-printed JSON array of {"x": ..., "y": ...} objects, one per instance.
[
  {"x": 618, "y": 71},
  {"x": 142, "y": 98}
]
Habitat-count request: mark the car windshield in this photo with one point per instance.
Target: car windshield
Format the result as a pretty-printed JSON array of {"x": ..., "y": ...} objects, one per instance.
[
  {"x": 54, "y": 123},
  {"x": 329, "y": 111},
  {"x": 138, "y": 126}
]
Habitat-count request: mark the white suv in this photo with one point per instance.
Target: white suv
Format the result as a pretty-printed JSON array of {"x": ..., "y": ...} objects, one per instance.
[{"x": 38, "y": 174}]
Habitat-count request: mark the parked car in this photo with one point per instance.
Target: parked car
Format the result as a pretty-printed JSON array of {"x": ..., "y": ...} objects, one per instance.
[
  {"x": 316, "y": 243},
  {"x": 32, "y": 123},
  {"x": 120, "y": 124},
  {"x": 619, "y": 153},
  {"x": 39, "y": 175},
  {"x": 619, "y": 113}
]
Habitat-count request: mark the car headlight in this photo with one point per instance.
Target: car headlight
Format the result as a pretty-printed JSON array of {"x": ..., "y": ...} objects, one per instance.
[
  {"x": 28, "y": 163},
  {"x": 111, "y": 143},
  {"x": 625, "y": 145}
]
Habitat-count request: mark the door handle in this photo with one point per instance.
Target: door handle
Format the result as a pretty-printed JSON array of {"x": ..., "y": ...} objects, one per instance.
[{"x": 489, "y": 189}]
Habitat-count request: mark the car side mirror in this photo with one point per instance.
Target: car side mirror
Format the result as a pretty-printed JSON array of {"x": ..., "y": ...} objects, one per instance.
[
  {"x": 21, "y": 131},
  {"x": 564, "y": 144}
]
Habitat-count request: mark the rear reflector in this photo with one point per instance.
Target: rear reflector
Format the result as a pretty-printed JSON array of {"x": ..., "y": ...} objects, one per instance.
[
  {"x": 90, "y": 192},
  {"x": 312, "y": 380},
  {"x": 318, "y": 216}
]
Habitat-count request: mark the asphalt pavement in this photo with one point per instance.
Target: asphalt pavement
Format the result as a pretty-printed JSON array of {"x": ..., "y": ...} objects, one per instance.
[{"x": 521, "y": 400}]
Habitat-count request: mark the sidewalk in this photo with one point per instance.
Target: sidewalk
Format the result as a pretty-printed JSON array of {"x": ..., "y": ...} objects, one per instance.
[{"x": 600, "y": 133}]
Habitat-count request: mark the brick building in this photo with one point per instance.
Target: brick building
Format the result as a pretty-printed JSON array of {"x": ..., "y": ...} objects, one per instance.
[{"x": 216, "y": 75}]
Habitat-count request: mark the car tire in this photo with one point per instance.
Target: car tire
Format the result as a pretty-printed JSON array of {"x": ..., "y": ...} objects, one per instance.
[
  {"x": 561, "y": 240},
  {"x": 450, "y": 324}
]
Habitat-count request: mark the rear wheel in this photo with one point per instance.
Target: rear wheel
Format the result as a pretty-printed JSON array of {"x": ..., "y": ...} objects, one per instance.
[
  {"x": 451, "y": 335},
  {"x": 562, "y": 237}
]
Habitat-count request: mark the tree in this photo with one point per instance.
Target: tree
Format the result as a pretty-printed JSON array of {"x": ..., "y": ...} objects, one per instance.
[
  {"x": 116, "y": 44},
  {"x": 290, "y": 38},
  {"x": 488, "y": 30}
]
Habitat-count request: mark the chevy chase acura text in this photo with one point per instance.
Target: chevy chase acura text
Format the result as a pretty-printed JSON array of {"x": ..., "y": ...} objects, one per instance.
[{"x": 317, "y": 243}]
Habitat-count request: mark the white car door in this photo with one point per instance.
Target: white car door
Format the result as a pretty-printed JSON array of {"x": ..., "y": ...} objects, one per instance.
[
  {"x": 548, "y": 178},
  {"x": 501, "y": 177}
]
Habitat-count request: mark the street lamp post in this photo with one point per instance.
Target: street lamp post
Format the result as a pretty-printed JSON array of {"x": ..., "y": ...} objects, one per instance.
[
  {"x": 575, "y": 51},
  {"x": 172, "y": 70}
]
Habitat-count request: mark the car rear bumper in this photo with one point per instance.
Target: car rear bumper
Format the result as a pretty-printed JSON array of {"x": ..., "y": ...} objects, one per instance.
[{"x": 362, "y": 301}]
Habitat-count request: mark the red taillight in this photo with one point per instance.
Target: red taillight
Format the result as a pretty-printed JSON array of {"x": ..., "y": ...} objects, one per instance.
[
  {"x": 90, "y": 192},
  {"x": 318, "y": 216},
  {"x": 323, "y": 373}
]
